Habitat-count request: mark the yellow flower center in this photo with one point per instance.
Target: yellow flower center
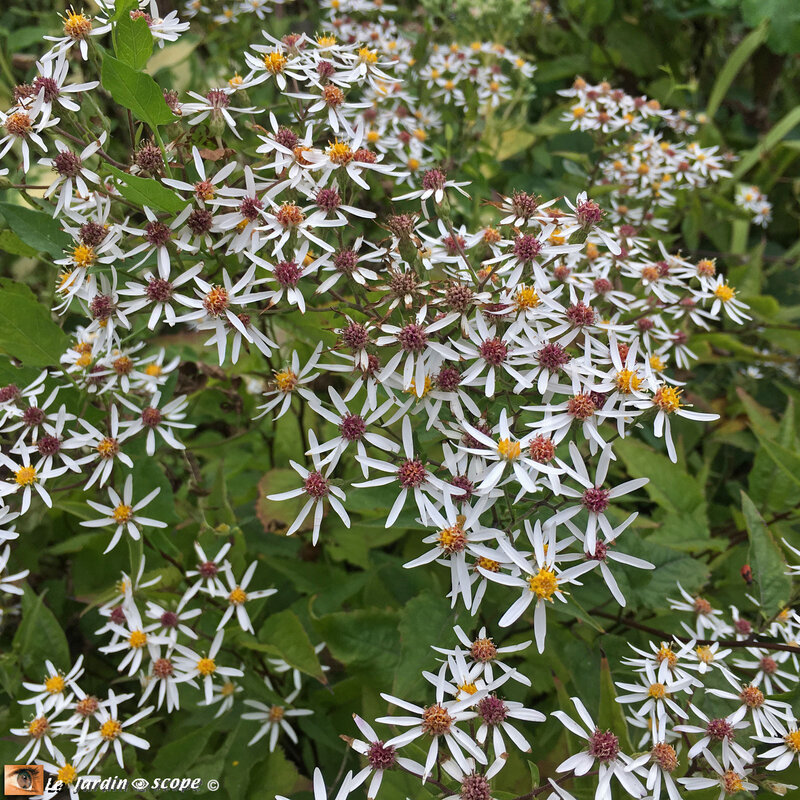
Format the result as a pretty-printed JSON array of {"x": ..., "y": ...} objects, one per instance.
[
  {"x": 544, "y": 584},
  {"x": 339, "y": 152},
  {"x": 578, "y": 112},
  {"x": 468, "y": 688},
  {"x": 286, "y": 380},
  {"x": 526, "y": 297},
  {"x": 107, "y": 447},
  {"x": 76, "y": 26},
  {"x": 490, "y": 565},
  {"x": 657, "y": 364},
  {"x": 628, "y": 381},
  {"x": 67, "y": 774},
  {"x": 110, "y": 729},
  {"x": 413, "y": 164},
  {"x": 724, "y": 292},
  {"x": 657, "y": 691},
  {"x": 227, "y": 689},
  {"x": 153, "y": 370},
  {"x": 367, "y": 56},
  {"x": 84, "y": 256},
  {"x": 705, "y": 654},
  {"x": 137, "y": 640},
  {"x": 122, "y": 513},
  {"x": 54, "y": 684},
  {"x": 38, "y": 727},
  {"x": 276, "y": 713},
  {"x": 274, "y": 62},
  {"x": 412, "y": 388},
  {"x": 237, "y": 597},
  {"x": 792, "y": 740},
  {"x": 25, "y": 476},
  {"x": 326, "y": 41},
  {"x": 667, "y": 398},
  {"x": 509, "y": 450},
  {"x": 453, "y": 540},
  {"x": 206, "y": 666},
  {"x": 665, "y": 654},
  {"x": 731, "y": 782}
]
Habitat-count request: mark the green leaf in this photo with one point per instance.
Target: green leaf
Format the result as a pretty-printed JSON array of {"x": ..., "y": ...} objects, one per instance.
[
  {"x": 277, "y": 772},
  {"x": 738, "y": 58},
  {"x": 134, "y": 42},
  {"x": 611, "y": 715},
  {"x": 766, "y": 561},
  {"x": 683, "y": 515},
  {"x": 39, "y": 637},
  {"x": 534, "y": 770},
  {"x": 148, "y": 192},
  {"x": 136, "y": 91},
  {"x": 184, "y": 751},
  {"x": 424, "y": 620},
  {"x": 123, "y": 8},
  {"x": 37, "y": 229},
  {"x": 285, "y": 633},
  {"x": 27, "y": 332},
  {"x": 367, "y": 641},
  {"x": 11, "y": 243},
  {"x": 781, "y": 128}
]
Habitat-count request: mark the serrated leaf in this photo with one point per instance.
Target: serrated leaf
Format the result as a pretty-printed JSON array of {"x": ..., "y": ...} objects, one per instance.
[
  {"x": 133, "y": 41},
  {"x": 27, "y": 333},
  {"x": 36, "y": 229},
  {"x": 136, "y": 91},
  {"x": 766, "y": 561},
  {"x": 148, "y": 192}
]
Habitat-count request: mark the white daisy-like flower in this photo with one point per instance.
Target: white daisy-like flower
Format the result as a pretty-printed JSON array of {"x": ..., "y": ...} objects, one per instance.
[{"x": 124, "y": 513}]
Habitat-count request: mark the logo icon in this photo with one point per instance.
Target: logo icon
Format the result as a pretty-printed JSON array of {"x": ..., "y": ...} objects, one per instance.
[{"x": 23, "y": 779}]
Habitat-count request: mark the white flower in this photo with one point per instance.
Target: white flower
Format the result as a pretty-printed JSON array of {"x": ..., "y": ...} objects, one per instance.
[
  {"x": 238, "y": 597},
  {"x": 112, "y": 733},
  {"x": 603, "y": 750},
  {"x": 192, "y": 665},
  {"x": 124, "y": 513},
  {"x": 274, "y": 718},
  {"x": 53, "y": 691}
]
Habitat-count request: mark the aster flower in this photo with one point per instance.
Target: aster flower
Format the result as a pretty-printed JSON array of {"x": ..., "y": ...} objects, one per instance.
[
  {"x": 412, "y": 477},
  {"x": 191, "y": 665},
  {"x": 124, "y": 513},
  {"x": 603, "y": 751},
  {"x": 275, "y": 719},
  {"x": 238, "y": 597},
  {"x": 728, "y": 781},
  {"x": 112, "y": 733},
  {"x": 318, "y": 488},
  {"x": 439, "y": 721},
  {"x": 52, "y": 693},
  {"x": 71, "y": 171},
  {"x": 157, "y": 420}
]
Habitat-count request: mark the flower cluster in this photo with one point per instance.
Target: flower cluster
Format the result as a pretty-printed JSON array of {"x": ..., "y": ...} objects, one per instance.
[{"x": 702, "y": 718}]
